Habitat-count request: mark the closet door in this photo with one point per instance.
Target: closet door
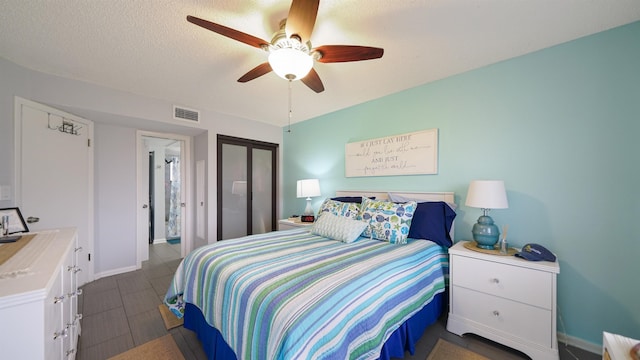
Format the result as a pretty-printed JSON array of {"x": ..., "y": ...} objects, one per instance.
[{"x": 246, "y": 187}]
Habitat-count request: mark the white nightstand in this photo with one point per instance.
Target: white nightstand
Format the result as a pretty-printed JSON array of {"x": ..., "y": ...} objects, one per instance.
[
  {"x": 285, "y": 224},
  {"x": 505, "y": 299}
]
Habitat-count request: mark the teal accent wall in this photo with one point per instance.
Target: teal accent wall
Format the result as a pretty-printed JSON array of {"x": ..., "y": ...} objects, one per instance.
[{"x": 560, "y": 126}]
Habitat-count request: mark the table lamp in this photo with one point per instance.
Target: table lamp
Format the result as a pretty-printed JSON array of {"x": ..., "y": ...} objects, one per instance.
[
  {"x": 308, "y": 188},
  {"x": 486, "y": 195}
]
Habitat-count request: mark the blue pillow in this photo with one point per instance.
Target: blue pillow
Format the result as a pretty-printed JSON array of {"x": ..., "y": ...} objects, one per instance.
[{"x": 432, "y": 221}]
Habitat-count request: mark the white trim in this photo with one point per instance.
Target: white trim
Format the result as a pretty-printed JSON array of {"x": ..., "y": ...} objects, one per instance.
[
  {"x": 22, "y": 298},
  {"x": 115, "y": 272},
  {"x": 564, "y": 339}
]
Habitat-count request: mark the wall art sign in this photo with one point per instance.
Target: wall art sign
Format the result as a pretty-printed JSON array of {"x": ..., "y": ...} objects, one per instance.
[{"x": 413, "y": 153}]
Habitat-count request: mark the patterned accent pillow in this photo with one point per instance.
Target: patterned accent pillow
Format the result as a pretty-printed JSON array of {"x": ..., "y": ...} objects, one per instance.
[
  {"x": 387, "y": 220},
  {"x": 338, "y": 227},
  {"x": 349, "y": 210}
]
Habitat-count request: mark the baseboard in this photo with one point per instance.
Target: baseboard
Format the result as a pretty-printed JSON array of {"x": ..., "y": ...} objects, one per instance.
[
  {"x": 114, "y": 272},
  {"x": 579, "y": 343}
]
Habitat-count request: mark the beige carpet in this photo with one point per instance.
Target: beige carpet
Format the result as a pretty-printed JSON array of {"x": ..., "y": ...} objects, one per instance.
[
  {"x": 163, "y": 348},
  {"x": 170, "y": 320},
  {"x": 445, "y": 350}
]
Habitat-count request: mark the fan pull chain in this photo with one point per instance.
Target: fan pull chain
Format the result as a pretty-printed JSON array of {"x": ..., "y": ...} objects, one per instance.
[{"x": 289, "y": 129}]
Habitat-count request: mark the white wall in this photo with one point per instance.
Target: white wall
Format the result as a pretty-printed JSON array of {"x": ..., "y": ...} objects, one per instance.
[{"x": 117, "y": 115}]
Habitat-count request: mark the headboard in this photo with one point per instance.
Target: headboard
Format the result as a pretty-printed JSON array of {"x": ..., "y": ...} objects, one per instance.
[
  {"x": 384, "y": 195},
  {"x": 447, "y": 197}
]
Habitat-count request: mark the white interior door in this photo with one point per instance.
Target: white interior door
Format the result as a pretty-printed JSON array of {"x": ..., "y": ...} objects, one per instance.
[{"x": 54, "y": 174}]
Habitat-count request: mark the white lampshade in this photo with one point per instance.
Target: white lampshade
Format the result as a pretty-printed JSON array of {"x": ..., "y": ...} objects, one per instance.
[
  {"x": 308, "y": 188},
  {"x": 290, "y": 64},
  {"x": 487, "y": 194}
]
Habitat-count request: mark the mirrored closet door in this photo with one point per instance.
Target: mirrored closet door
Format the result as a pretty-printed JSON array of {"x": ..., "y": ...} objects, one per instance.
[{"x": 247, "y": 182}]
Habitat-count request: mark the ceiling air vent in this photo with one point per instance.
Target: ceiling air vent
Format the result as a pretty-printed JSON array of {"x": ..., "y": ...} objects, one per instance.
[{"x": 180, "y": 113}]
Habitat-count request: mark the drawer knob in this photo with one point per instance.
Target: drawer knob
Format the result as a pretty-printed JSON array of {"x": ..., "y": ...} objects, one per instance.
[
  {"x": 495, "y": 281},
  {"x": 496, "y": 313}
]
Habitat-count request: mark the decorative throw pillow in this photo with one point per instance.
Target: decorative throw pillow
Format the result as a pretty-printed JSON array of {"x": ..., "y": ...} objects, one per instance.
[
  {"x": 350, "y": 210},
  {"x": 388, "y": 221},
  {"x": 432, "y": 221},
  {"x": 338, "y": 227}
]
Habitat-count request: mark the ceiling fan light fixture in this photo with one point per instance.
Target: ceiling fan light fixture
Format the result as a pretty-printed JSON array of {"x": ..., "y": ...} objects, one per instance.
[{"x": 290, "y": 64}]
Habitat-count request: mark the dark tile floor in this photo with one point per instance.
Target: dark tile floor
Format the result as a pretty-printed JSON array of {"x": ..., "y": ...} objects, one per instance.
[{"x": 121, "y": 312}]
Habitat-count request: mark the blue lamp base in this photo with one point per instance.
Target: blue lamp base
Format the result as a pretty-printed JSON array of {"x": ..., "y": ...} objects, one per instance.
[{"x": 485, "y": 233}]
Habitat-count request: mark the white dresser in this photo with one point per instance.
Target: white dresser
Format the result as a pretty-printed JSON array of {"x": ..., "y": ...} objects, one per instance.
[
  {"x": 505, "y": 299},
  {"x": 39, "y": 301}
]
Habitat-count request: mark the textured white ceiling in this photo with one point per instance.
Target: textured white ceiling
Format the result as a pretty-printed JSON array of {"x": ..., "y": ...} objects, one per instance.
[{"x": 147, "y": 47}]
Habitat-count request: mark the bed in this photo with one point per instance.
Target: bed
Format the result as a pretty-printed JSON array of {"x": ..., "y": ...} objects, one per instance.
[{"x": 316, "y": 293}]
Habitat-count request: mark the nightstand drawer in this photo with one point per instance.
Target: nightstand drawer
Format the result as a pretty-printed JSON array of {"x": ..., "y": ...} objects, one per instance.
[
  {"x": 506, "y": 281},
  {"x": 510, "y": 317}
]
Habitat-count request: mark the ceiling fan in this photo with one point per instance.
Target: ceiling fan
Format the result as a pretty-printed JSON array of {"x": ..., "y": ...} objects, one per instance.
[{"x": 290, "y": 53}]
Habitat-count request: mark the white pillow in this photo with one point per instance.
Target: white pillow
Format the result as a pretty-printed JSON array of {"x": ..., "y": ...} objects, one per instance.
[{"x": 338, "y": 227}]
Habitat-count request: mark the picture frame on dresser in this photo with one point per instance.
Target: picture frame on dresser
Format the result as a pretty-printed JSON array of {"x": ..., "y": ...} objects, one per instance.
[{"x": 16, "y": 221}]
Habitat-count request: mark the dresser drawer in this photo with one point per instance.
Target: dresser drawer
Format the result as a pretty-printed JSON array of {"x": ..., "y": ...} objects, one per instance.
[
  {"x": 506, "y": 281},
  {"x": 510, "y": 317}
]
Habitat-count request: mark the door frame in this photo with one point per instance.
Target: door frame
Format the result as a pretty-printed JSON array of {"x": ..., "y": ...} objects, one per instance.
[
  {"x": 89, "y": 274},
  {"x": 142, "y": 227}
]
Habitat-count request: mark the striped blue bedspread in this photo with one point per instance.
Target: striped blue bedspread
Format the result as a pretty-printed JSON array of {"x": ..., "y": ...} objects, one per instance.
[{"x": 294, "y": 295}]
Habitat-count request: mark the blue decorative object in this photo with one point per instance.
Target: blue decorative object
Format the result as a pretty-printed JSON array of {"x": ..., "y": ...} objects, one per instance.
[{"x": 485, "y": 232}]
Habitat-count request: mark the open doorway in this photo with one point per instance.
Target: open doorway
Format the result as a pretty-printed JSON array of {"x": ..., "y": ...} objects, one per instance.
[
  {"x": 165, "y": 212},
  {"x": 163, "y": 174}
]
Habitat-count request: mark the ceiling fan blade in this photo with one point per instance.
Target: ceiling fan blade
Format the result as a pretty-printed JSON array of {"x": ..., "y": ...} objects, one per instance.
[
  {"x": 257, "y": 71},
  {"x": 228, "y": 32},
  {"x": 345, "y": 53},
  {"x": 312, "y": 80},
  {"x": 302, "y": 18}
]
